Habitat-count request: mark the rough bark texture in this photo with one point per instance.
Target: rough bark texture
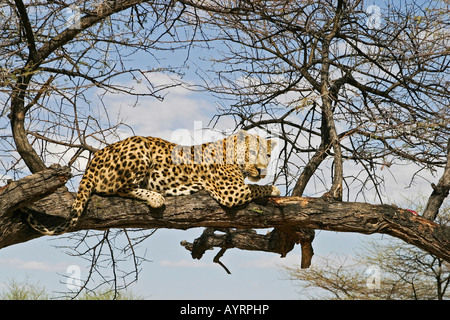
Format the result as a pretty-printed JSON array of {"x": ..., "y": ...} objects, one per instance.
[
  {"x": 17, "y": 195},
  {"x": 440, "y": 191},
  {"x": 285, "y": 214}
]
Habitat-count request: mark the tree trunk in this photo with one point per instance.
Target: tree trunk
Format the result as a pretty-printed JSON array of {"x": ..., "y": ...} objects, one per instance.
[{"x": 200, "y": 210}]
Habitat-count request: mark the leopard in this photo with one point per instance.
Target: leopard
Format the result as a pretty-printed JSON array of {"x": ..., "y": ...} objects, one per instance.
[{"x": 151, "y": 168}]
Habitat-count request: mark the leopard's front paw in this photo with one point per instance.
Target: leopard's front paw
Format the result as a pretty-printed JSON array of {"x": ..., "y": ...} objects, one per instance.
[
  {"x": 156, "y": 201},
  {"x": 275, "y": 192}
]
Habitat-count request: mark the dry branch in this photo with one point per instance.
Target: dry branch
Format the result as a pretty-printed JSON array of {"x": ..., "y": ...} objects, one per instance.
[
  {"x": 286, "y": 214},
  {"x": 440, "y": 191},
  {"x": 18, "y": 194}
]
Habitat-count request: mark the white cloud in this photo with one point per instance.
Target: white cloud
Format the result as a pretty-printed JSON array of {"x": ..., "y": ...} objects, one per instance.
[
  {"x": 32, "y": 265},
  {"x": 186, "y": 264},
  {"x": 272, "y": 261},
  {"x": 150, "y": 116}
]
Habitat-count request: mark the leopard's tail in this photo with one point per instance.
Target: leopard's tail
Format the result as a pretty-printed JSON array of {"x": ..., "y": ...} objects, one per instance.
[{"x": 54, "y": 225}]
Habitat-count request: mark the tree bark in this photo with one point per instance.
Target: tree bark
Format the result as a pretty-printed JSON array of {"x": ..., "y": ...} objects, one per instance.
[
  {"x": 440, "y": 191},
  {"x": 17, "y": 195},
  {"x": 200, "y": 210}
]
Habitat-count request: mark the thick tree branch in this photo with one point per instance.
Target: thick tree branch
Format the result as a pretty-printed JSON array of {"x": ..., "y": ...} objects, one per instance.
[
  {"x": 440, "y": 191},
  {"x": 18, "y": 194},
  {"x": 23, "y": 15},
  {"x": 276, "y": 241},
  {"x": 200, "y": 210},
  {"x": 31, "y": 188}
]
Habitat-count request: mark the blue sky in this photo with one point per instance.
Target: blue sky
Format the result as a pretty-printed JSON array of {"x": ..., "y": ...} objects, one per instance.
[{"x": 171, "y": 273}]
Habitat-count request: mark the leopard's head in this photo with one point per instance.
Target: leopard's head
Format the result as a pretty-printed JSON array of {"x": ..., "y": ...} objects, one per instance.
[{"x": 252, "y": 154}]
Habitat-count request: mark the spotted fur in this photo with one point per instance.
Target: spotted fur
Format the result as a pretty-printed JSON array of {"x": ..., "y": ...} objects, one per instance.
[{"x": 148, "y": 169}]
